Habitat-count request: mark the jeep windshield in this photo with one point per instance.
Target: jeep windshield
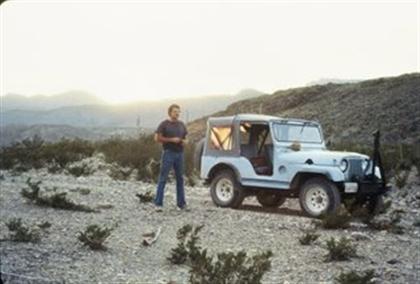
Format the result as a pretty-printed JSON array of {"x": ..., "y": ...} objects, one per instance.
[{"x": 305, "y": 132}]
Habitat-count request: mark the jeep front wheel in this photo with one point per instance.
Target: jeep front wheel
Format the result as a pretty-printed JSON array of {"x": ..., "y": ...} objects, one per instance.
[
  {"x": 267, "y": 199},
  {"x": 319, "y": 196},
  {"x": 226, "y": 191}
]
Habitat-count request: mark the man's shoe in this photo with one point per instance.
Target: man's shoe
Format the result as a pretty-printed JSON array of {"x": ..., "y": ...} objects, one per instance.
[
  {"x": 158, "y": 208},
  {"x": 184, "y": 208}
]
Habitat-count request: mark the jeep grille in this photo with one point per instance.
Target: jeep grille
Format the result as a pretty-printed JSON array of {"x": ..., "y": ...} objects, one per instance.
[{"x": 355, "y": 171}]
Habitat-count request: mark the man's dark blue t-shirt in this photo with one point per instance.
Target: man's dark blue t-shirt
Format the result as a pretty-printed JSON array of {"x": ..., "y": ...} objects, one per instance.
[{"x": 169, "y": 129}]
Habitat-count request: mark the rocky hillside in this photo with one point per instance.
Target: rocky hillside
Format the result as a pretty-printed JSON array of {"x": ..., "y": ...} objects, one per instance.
[
  {"x": 58, "y": 256},
  {"x": 348, "y": 112}
]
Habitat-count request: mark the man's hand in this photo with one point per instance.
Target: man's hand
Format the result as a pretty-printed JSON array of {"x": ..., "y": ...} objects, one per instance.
[
  {"x": 176, "y": 140},
  {"x": 161, "y": 139}
]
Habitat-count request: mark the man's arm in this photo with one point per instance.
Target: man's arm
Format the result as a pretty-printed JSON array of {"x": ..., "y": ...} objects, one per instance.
[{"x": 162, "y": 139}]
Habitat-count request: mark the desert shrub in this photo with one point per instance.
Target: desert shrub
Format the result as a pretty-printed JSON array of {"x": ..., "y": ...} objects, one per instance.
[
  {"x": 187, "y": 247},
  {"x": 338, "y": 220},
  {"x": 55, "y": 200},
  {"x": 60, "y": 201},
  {"x": 132, "y": 153},
  {"x": 236, "y": 268},
  {"x": 25, "y": 154},
  {"x": 54, "y": 168},
  {"x": 141, "y": 153},
  {"x": 391, "y": 224},
  {"x": 67, "y": 151},
  {"x": 80, "y": 170},
  {"x": 84, "y": 191},
  {"x": 224, "y": 268},
  {"x": 31, "y": 193},
  {"x": 119, "y": 173},
  {"x": 36, "y": 153},
  {"x": 343, "y": 249},
  {"x": 145, "y": 197},
  {"x": 354, "y": 277},
  {"x": 190, "y": 171},
  {"x": 44, "y": 225},
  {"x": 20, "y": 232},
  {"x": 401, "y": 177},
  {"x": 308, "y": 238},
  {"x": 94, "y": 236}
]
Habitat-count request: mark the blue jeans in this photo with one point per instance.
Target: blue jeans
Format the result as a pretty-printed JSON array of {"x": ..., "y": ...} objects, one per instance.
[{"x": 171, "y": 159}]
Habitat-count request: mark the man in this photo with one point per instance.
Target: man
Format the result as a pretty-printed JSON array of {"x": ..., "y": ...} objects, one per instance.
[{"x": 172, "y": 134}]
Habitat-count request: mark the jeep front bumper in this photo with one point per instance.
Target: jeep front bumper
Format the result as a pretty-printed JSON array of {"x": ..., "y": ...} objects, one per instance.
[{"x": 366, "y": 188}]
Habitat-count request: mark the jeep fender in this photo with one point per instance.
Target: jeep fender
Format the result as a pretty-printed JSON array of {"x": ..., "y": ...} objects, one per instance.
[
  {"x": 331, "y": 173},
  {"x": 223, "y": 166}
]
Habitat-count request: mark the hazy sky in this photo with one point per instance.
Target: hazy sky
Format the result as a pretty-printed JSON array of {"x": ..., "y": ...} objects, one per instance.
[{"x": 126, "y": 50}]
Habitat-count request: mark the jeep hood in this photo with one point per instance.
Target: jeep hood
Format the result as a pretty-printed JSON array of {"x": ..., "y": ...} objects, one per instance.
[{"x": 319, "y": 157}]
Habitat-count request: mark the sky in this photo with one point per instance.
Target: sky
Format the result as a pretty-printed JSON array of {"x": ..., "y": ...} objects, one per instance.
[{"x": 130, "y": 50}]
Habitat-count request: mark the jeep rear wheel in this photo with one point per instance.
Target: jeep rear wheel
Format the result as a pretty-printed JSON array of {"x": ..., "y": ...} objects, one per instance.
[
  {"x": 225, "y": 190},
  {"x": 319, "y": 196},
  {"x": 267, "y": 199}
]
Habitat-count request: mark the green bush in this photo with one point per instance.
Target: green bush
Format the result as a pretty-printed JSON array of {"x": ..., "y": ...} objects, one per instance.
[
  {"x": 339, "y": 220},
  {"x": 236, "y": 268},
  {"x": 343, "y": 249},
  {"x": 143, "y": 154},
  {"x": 94, "y": 236},
  {"x": 391, "y": 224},
  {"x": 308, "y": 238},
  {"x": 80, "y": 170},
  {"x": 36, "y": 153},
  {"x": 55, "y": 200},
  {"x": 119, "y": 173},
  {"x": 401, "y": 177},
  {"x": 354, "y": 277},
  {"x": 20, "y": 232},
  {"x": 145, "y": 197},
  {"x": 187, "y": 247},
  {"x": 31, "y": 193}
]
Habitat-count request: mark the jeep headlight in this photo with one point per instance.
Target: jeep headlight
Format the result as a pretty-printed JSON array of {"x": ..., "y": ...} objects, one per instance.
[{"x": 344, "y": 164}]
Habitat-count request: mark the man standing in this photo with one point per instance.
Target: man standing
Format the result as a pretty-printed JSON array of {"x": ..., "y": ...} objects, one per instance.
[{"x": 172, "y": 134}]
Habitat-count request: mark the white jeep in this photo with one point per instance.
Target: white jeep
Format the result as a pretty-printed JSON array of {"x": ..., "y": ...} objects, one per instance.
[{"x": 277, "y": 158}]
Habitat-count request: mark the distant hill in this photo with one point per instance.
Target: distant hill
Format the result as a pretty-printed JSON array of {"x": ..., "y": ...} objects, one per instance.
[
  {"x": 146, "y": 114},
  {"x": 44, "y": 102},
  {"x": 348, "y": 112}
]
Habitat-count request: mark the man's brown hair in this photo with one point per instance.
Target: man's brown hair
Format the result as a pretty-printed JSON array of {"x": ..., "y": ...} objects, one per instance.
[{"x": 172, "y": 106}]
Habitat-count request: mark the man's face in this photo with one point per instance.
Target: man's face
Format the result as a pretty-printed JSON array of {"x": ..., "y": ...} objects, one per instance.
[{"x": 175, "y": 112}]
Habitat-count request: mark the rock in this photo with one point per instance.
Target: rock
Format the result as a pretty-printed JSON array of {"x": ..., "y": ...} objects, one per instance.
[{"x": 359, "y": 236}]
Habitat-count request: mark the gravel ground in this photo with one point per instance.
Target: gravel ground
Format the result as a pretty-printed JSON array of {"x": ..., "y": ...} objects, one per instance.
[{"x": 60, "y": 257}]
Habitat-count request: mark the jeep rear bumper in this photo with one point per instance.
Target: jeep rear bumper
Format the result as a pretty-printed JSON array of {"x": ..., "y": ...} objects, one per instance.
[{"x": 366, "y": 188}]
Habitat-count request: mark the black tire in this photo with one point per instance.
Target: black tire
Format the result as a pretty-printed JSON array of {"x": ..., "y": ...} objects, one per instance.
[
  {"x": 268, "y": 199},
  {"x": 198, "y": 152},
  {"x": 319, "y": 191},
  {"x": 236, "y": 195}
]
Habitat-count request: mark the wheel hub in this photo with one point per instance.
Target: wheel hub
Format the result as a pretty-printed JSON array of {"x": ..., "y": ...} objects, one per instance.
[
  {"x": 317, "y": 199},
  {"x": 224, "y": 189}
]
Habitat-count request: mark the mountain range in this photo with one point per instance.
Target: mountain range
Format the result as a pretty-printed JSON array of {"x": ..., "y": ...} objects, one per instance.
[{"x": 85, "y": 110}]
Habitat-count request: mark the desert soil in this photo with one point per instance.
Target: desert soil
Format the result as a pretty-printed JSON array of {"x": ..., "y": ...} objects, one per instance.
[{"x": 60, "y": 257}]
